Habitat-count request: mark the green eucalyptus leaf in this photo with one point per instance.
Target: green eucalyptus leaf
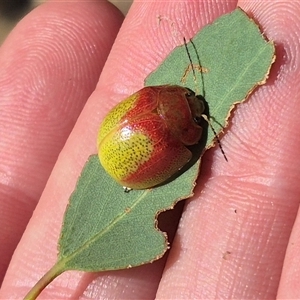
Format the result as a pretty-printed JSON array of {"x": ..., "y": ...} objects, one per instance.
[{"x": 105, "y": 228}]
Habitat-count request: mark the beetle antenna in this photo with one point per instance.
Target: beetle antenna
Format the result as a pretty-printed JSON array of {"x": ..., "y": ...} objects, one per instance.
[
  {"x": 190, "y": 59},
  {"x": 216, "y": 136},
  {"x": 201, "y": 73},
  {"x": 205, "y": 117}
]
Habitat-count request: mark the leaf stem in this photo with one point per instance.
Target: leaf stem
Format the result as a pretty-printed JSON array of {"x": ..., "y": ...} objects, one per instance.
[{"x": 49, "y": 276}]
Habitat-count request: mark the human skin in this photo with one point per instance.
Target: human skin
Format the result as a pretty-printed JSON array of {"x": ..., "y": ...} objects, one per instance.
[{"x": 238, "y": 237}]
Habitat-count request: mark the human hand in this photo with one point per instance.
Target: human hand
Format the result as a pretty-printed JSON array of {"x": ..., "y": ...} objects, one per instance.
[{"x": 234, "y": 235}]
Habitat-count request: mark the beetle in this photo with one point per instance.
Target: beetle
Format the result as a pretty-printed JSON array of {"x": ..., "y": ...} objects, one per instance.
[{"x": 143, "y": 140}]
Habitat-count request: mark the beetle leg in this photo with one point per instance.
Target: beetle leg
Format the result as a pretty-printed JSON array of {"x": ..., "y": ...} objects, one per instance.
[{"x": 126, "y": 189}]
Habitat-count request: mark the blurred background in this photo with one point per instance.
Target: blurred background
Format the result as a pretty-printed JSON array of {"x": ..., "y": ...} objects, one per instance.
[{"x": 11, "y": 11}]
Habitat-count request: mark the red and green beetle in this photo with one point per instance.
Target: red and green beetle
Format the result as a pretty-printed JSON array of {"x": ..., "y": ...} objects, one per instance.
[{"x": 143, "y": 140}]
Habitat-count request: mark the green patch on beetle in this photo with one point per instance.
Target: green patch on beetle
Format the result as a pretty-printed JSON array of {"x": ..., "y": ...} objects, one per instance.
[{"x": 107, "y": 229}]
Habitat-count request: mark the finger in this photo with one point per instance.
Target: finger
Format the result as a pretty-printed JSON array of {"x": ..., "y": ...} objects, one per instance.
[
  {"x": 232, "y": 237},
  {"x": 142, "y": 44},
  {"x": 50, "y": 64},
  {"x": 289, "y": 287}
]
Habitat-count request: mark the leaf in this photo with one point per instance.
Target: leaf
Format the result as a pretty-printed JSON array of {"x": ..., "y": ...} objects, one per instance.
[{"x": 107, "y": 229}]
